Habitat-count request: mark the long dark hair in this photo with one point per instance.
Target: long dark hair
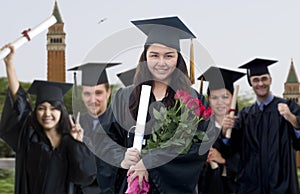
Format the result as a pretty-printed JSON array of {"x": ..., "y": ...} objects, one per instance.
[
  {"x": 64, "y": 125},
  {"x": 144, "y": 77}
]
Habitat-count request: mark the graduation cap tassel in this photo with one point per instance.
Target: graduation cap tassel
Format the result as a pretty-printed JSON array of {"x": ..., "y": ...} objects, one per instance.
[
  {"x": 201, "y": 86},
  {"x": 75, "y": 95},
  {"x": 192, "y": 64},
  {"x": 75, "y": 85}
]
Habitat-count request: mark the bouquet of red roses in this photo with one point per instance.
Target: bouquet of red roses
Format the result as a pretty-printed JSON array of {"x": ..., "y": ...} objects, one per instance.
[{"x": 177, "y": 125}]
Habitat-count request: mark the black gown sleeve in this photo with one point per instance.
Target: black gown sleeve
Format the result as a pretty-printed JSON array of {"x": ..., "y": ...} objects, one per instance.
[
  {"x": 82, "y": 162},
  {"x": 14, "y": 117}
]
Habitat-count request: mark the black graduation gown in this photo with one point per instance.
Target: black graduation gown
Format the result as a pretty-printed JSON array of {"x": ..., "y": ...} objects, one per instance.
[
  {"x": 106, "y": 173},
  {"x": 179, "y": 175},
  {"x": 212, "y": 181},
  {"x": 265, "y": 142},
  {"x": 39, "y": 168}
]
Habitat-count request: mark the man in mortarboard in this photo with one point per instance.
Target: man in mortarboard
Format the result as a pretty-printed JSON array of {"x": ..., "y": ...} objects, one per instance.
[
  {"x": 220, "y": 178},
  {"x": 96, "y": 120},
  {"x": 95, "y": 89},
  {"x": 266, "y": 136}
]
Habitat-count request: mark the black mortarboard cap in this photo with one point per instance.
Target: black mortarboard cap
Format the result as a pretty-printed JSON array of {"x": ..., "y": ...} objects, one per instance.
[
  {"x": 220, "y": 78},
  {"x": 46, "y": 91},
  {"x": 127, "y": 77},
  {"x": 257, "y": 66},
  {"x": 167, "y": 31},
  {"x": 93, "y": 73}
]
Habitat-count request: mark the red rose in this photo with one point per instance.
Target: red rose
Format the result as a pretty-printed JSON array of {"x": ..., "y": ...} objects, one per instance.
[
  {"x": 199, "y": 111},
  {"x": 199, "y": 102},
  {"x": 193, "y": 103},
  {"x": 207, "y": 113},
  {"x": 180, "y": 93},
  {"x": 186, "y": 98}
]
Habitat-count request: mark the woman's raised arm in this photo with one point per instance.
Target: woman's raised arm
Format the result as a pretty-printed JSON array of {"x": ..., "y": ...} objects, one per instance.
[{"x": 13, "y": 82}]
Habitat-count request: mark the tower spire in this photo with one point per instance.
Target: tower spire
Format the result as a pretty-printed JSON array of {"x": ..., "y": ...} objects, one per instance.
[
  {"x": 56, "y": 13},
  {"x": 292, "y": 76}
]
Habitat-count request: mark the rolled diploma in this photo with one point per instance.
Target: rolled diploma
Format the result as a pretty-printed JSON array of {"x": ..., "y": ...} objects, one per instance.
[
  {"x": 141, "y": 117},
  {"x": 31, "y": 33},
  {"x": 232, "y": 107}
]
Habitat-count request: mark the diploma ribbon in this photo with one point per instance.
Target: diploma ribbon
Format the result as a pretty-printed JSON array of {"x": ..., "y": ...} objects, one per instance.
[
  {"x": 26, "y": 35},
  {"x": 131, "y": 128},
  {"x": 231, "y": 110}
]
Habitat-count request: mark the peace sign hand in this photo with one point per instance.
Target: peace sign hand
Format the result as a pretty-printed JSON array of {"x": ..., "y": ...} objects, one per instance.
[{"x": 76, "y": 131}]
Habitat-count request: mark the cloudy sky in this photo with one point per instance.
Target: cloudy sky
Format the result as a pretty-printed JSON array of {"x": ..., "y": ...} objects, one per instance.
[{"x": 229, "y": 33}]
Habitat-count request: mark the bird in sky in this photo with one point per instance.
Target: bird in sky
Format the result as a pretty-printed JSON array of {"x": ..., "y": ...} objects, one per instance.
[{"x": 102, "y": 20}]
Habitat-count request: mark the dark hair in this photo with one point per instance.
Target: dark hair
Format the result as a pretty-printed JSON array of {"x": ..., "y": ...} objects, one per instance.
[
  {"x": 64, "y": 125},
  {"x": 144, "y": 77},
  {"x": 107, "y": 87}
]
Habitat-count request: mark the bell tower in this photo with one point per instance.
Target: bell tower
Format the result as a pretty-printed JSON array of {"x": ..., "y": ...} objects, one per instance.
[
  {"x": 292, "y": 85},
  {"x": 56, "y": 46}
]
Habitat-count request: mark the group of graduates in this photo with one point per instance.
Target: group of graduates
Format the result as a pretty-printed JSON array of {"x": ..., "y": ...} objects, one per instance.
[{"x": 92, "y": 151}]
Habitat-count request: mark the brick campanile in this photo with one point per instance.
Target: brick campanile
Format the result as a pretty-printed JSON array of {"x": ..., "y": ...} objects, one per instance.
[{"x": 56, "y": 47}]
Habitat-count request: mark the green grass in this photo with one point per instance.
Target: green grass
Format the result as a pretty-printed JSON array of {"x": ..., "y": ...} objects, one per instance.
[{"x": 6, "y": 181}]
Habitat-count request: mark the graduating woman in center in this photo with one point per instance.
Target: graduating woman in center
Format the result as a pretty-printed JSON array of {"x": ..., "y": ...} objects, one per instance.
[{"x": 161, "y": 66}]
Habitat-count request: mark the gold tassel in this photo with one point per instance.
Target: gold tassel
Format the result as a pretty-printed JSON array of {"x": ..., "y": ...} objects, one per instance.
[{"x": 192, "y": 64}]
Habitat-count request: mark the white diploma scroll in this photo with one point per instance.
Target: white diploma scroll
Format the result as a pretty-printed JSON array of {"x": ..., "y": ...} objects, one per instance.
[
  {"x": 29, "y": 34},
  {"x": 141, "y": 117},
  {"x": 232, "y": 107}
]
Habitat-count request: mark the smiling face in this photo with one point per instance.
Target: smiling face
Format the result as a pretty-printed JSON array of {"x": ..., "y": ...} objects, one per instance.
[
  {"x": 261, "y": 86},
  {"x": 162, "y": 61},
  {"x": 48, "y": 116},
  {"x": 95, "y": 99},
  {"x": 220, "y": 101}
]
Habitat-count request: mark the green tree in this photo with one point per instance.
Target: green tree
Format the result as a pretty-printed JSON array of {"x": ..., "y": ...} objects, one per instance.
[
  {"x": 3, "y": 89},
  {"x": 245, "y": 99}
]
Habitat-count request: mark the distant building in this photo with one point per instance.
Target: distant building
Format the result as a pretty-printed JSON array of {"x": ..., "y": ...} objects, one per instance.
[
  {"x": 56, "y": 47},
  {"x": 292, "y": 92}
]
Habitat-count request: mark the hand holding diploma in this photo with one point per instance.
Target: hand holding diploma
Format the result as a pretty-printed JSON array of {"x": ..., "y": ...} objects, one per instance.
[{"x": 28, "y": 35}]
